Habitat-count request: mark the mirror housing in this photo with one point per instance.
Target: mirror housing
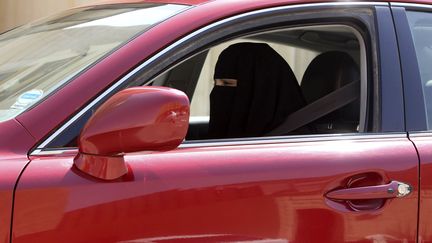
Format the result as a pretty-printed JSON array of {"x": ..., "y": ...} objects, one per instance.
[{"x": 133, "y": 120}]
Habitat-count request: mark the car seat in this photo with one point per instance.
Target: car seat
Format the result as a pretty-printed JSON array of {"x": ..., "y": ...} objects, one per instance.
[{"x": 326, "y": 73}]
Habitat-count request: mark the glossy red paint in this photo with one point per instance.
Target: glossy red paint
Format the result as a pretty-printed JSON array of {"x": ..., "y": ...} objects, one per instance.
[
  {"x": 11, "y": 168},
  {"x": 101, "y": 167},
  {"x": 423, "y": 144},
  {"x": 217, "y": 193},
  {"x": 213, "y": 193},
  {"x": 137, "y": 119},
  {"x": 187, "y": 2},
  {"x": 13, "y": 139},
  {"x": 133, "y": 120},
  {"x": 198, "y": 2}
]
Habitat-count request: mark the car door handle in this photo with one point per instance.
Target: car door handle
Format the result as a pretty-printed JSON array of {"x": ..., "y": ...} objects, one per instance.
[{"x": 394, "y": 189}]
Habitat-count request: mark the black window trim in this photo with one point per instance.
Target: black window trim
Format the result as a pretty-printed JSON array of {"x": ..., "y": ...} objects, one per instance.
[{"x": 416, "y": 119}]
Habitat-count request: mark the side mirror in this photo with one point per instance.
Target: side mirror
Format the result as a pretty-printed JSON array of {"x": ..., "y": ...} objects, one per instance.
[{"x": 133, "y": 120}]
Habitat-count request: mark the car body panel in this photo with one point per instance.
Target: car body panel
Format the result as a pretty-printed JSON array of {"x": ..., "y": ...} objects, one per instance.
[
  {"x": 198, "y": 2},
  {"x": 418, "y": 112},
  {"x": 13, "y": 160},
  {"x": 187, "y": 2},
  {"x": 240, "y": 191},
  {"x": 423, "y": 143},
  {"x": 11, "y": 169},
  {"x": 10, "y": 145},
  {"x": 214, "y": 192}
]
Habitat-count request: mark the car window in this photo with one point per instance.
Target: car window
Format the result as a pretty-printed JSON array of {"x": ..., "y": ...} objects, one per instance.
[
  {"x": 38, "y": 58},
  {"x": 316, "y": 61},
  {"x": 421, "y": 29}
]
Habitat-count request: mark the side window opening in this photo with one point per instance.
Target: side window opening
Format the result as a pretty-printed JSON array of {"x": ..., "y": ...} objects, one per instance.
[
  {"x": 421, "y": 30},
  {"x": 323, "y": 59}
]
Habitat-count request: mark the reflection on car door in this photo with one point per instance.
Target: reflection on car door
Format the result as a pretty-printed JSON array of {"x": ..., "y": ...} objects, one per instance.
[
  {"x": 264, "y": 189},
  {"x": 227, "y": 192},
  {"x": 414, "y": 33}
]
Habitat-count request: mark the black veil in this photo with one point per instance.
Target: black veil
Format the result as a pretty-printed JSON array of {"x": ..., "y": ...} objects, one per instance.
[{"x": 267, "y": 92}]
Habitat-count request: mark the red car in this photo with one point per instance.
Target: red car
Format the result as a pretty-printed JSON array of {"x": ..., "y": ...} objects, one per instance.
[{"x": 218, "y": 121}]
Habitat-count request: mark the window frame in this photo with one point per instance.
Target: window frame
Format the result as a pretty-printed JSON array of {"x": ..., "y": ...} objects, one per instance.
[
  {"x": 318, "y": 27},
  {"x": 416, "y": 119},
  {"x": 223, "y": 30}
]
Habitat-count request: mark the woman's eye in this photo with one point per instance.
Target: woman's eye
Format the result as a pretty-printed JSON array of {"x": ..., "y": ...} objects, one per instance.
[{"x": 226, "y": 82}]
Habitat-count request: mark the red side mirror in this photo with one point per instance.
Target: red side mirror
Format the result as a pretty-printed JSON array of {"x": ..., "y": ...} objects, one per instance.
[{"x": 133, "y": 120}]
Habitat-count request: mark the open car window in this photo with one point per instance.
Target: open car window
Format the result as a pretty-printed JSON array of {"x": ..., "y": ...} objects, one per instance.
[
  {"x": 324, "y": 65},
  {"x": 322, "y": 59},
  {"x": 421, "y": 30}
]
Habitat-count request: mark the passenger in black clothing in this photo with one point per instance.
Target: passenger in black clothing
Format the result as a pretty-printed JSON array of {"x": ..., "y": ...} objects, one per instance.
[{"x": 255, "y": 90}]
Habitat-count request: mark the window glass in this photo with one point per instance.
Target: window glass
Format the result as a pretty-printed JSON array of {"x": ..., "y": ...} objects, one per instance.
[
  {"x": 421, "y": 29},
  {"x": 37, "y": 58}
]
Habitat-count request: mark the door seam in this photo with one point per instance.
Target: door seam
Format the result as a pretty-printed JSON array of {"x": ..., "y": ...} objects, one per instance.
[
  {"x": 418, "y": 183},
  {"x": 13, "y": 201}
]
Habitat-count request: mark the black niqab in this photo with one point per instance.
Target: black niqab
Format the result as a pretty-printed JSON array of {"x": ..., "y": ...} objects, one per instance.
[{"x": 266, "y": 93}]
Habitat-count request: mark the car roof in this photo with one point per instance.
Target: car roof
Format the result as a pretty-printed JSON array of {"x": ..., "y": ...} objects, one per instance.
[
  {"x": 198, "y": 2},
  {"x": 186, "y": 2}
]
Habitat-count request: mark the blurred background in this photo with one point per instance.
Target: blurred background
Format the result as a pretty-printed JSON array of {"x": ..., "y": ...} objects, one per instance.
[{"x": 17, "y": 12}]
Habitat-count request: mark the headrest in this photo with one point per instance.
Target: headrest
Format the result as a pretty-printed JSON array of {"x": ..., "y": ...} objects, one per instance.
[{"x": 328, "y": 72}]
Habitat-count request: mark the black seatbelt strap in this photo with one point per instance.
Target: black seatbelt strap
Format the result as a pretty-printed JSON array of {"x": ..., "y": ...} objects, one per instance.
[{"x": 319, "y": 108}]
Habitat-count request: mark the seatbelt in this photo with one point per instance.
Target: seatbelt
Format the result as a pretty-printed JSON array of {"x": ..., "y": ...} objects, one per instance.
[{"x": 319, "y": 108}]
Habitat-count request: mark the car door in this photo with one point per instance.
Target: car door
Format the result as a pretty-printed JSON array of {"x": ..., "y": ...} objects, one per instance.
[
  {"x": 413, "y": 23},
  {"x": 306, "y": 188}
]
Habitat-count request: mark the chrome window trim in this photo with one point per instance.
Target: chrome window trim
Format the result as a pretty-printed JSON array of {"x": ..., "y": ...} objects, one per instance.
[
  {"x": 414, "y": 5},
  {"x": 54, "y": 152},
  {"x": 292, "y": 139},
  {"x": 42, "y": 145},
  {"x": 420, "y": 134},
  {"x": 262, "y": 141}
]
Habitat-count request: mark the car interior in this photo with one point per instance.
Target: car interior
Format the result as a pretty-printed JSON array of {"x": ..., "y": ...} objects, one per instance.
[
  {"x": 323, "y": 59},
  {"x": 328, "y": 66},
  {"x": 422, "y": 34}
]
